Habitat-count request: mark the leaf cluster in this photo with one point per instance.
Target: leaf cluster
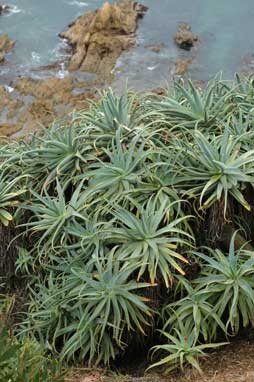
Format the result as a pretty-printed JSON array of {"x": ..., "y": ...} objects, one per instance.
[{"x": 112, "y": 209}]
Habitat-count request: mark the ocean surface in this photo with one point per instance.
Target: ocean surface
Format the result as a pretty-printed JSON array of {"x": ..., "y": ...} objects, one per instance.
[{"x": 224, "y": 27}]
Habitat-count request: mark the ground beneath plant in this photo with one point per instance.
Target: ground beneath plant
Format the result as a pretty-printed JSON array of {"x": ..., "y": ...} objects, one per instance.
[{"x": 233, "y": 363}]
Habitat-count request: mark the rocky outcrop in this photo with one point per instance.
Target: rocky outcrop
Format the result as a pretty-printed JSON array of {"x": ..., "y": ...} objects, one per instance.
[
  {"x": 181, "y": 66},
  {"x": 4, "y": 9},
  {"x": 34, "y": 103},
  {"x": 98, "y": 38},
  {"x": 184, "y": 37},
  {"x": 6, "y": 45},
  {"x": 159, "y": 91},
  {"x": 156, "y": 48}
]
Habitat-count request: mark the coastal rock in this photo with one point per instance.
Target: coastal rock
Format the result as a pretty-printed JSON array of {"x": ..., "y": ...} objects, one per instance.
[
  {"x": 98, "y": 38},
  {"x": 8, "y": 108},
  {"x": 8, "y": 103},
  {"x": 57, "y": 92},
  {"x": 6, "y": 45},
  {"x": 4, "y": 9},
  {"x": 156, "y": 48},
  {"x": 184, "y": 37},
  {"x": 36, "y": 103},
  {"x": 159, "y": 91},
  {"x": 4, "y": 97},
  {"x": 8, "y": 129},
  {"x": 54, "y": 89},
  {"x": 181, "y": 66}
]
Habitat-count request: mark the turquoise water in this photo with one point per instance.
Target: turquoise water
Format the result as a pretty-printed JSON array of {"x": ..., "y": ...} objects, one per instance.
[{"x": 225, "y": 28}]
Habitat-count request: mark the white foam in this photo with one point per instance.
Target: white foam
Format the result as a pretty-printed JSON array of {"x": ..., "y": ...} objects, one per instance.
[
  {"x": 152, "y": 67},
  {"x": 36, "y": 58},
  {"x": 9, "y": 89},
  {"x": 140, "y": 39},
  {"x": 62, "y": 73},
  {"x": 60, "y": 50},
  {"x": 5, "y": 70},
  {"x": 13, "y": 10},
  {"x": 80, "y": 4}
]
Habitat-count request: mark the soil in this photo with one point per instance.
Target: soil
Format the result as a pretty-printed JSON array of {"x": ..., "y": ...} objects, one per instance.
[{"x": 233, "y": 363}]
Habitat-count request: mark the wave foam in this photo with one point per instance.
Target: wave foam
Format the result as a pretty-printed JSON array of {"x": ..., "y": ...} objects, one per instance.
[
  {"x": 14, "y": 10},
  {"x": 36, "y": 58},
  {"x": 80, "y": 4}
]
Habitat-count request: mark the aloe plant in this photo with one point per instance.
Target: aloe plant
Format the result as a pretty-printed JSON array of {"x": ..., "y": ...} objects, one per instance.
[
  {"x": 243, "y": 94},
  {"x": 229, "y": 280},
  {"x": 91, "y": 308},
  {"x": 110, "y": 297},
  {"x": 51, "y": 216},
  {"x": 63, "y": 152},
  {"x": 196, "y": 313},
  {"x": 215, "y": 169},
  {"x": 9, "y": 196},
  {"x": 109, "y": 209},
  {"x": 118, "y": 172},
  {"x": 147, "y": 242},
  {"x": 193, "y": 107},
  {"x": 181, "y": 349},
  {"x": 88, "y": 238},
  {"x": 108, "y": 115}
]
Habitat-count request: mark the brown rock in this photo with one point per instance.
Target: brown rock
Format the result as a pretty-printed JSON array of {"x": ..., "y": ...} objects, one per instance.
[
  {"x": 53, "y": 88},
  {"x": 50, "y": 98},
  {"x": 6, "y": 101},
  {"x": 9, "y": 106},
  {"x": 181, "y": 66},
  {"x": 37, "y": 103},
  {"x": 98, "y": 38},
  {"x": 8, "y": 129},
  {"x": 4, "y": 97},
  {"x": 159, "y": 91},
  {"x": 184, "y": 37},
  {"x": 6, "y": 45},
  {"x": 156, "y": 48}
]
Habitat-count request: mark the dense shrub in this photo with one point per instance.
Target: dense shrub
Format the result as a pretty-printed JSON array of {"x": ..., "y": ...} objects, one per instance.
[
  {"x": 23, "y": 361},
  {"x": 113, "y": 210},
  {"x": 26, "y": 361}
]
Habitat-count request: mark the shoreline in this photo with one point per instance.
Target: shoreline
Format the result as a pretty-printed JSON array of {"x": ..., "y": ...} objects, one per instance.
[
  {"x": 23, "y": 110},
  {"x": 101, "y": 36}
]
